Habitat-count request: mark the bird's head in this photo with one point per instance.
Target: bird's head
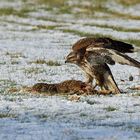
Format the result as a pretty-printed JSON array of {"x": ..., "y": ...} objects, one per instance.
[{"x": 72, "y": 57}]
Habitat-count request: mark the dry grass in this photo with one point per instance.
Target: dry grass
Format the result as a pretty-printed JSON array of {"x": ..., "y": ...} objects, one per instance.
[
  {"x": 46, "y": 27},
  {"x": 117, "y": 28},
  {"x": 7, "y": 115},
  {"x": 39, "y": 61},
  {"x": 23, "y": 12},
  {"x": 129, "y": 2},
  {"x": 52, "y": 2},
  {"x": 110, "y": 108},
  {"x": 83, "y": 34},
  {"x": 49, "y": 62},
  {"x": 33, "y": 70},
  {"x": 15, "y": 54},
  {"x": 53, "y": 63}
]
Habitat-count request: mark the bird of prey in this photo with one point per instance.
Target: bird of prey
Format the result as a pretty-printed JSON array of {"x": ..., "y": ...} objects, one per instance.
[{"x": 93, "y": 55}]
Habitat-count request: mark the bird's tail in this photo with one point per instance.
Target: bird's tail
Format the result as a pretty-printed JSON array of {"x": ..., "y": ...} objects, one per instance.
[{"x": 108, "y": 82}]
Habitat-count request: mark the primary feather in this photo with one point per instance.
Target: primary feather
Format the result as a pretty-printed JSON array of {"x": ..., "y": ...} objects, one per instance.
[
  {"x": 109, "y": 43},
  {"x": 109, "y": 56}
]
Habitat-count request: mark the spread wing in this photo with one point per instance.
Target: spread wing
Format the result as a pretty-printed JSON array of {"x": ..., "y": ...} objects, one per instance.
[
  {"x": 102, "y": 55},
  {"x": 108, "y": 43}
]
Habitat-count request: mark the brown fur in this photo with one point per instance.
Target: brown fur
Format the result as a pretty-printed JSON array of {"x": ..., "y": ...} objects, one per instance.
[{"x": 68, "y": 86}]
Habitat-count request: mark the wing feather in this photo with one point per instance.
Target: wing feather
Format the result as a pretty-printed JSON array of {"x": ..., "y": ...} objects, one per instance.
[
  {"x": 103, "y": 42},
  {"x": 109, "y": 56}
]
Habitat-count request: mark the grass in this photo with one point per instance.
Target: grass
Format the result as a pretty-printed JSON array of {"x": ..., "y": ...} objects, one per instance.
[
  {"x": 136, "y": 94},
  {"x": 15, "y": 54},
  {"x": 110, "y": 109},
  {"x": 53, "y": 63},
  {"x": 115, "y": 27},
  {"x": 99, "y": 7},
  {"x": 39, "y": 61},
  {"x": 52, "y": 2},
  {"x": 89, "y": 9},
  {"x": 14, "y": 62},
  {"x": 43, "y": 117},
  {"x": 23, "y": 12},
  {"x": 34, "y": 70},
  {"x": 137, "y": 129},
  {"x": 76, "y": 32},
  {"x": 83, "y": 115},
  {"x": 44, "y": 80},
  {"x": 128, "y": 2},
  {"x": 63, "y": 7},
  {"x": 47, "y": 27},
  {"x": 2, "y": 63},
  {"x": 129, "y": 111},
  {"x": 133, "y": 41},
  {"x": 122, "y": 15},
  {"x": 6, "y": 11},
  {"x": 92, "y": 102},
  {"x": 83, "y": 34},
  {"x": 49, "y": 62},
  {"x": 13, "y": 89},
  {"x": 7, "y": 115},
  {"x": 7, "y": 82}
]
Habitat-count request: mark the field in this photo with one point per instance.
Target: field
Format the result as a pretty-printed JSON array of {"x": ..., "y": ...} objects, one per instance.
[{"x": 35, "y": 37}]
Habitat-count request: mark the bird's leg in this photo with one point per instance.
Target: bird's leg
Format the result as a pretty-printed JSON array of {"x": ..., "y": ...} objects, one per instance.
[
  {"x": 89, "y": 79},
  {"x": 95, "y": 86}
]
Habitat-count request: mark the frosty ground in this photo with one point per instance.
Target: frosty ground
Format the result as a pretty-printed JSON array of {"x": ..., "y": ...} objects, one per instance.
[{"x": 34, "y": 41}]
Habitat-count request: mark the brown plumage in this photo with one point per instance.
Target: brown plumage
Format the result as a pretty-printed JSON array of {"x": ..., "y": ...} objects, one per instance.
[
  {"x": 109, "y": 43},
  {"x": 93, "y": 55}
]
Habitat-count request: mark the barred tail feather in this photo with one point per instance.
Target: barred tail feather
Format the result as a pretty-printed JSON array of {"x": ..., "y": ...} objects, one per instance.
[{"x": 110, "y": 84}]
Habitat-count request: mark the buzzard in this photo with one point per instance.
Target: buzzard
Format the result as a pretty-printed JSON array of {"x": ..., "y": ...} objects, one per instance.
[{"x": 93, "y": 55}]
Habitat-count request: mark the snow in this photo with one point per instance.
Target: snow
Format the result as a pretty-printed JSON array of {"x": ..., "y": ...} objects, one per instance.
[
  {"x": 131, "y": 10},
  {"x": 105, "y": 31},
  {"x": 27, "y": 116},
  {"x": 57, "y": 118}
]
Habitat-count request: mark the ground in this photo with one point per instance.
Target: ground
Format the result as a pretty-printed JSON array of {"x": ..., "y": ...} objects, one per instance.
[{"x": 35, "y": 37}]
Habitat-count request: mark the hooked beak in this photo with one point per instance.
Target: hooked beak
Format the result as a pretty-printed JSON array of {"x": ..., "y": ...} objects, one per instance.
[{"x": 66, "y": 61}]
